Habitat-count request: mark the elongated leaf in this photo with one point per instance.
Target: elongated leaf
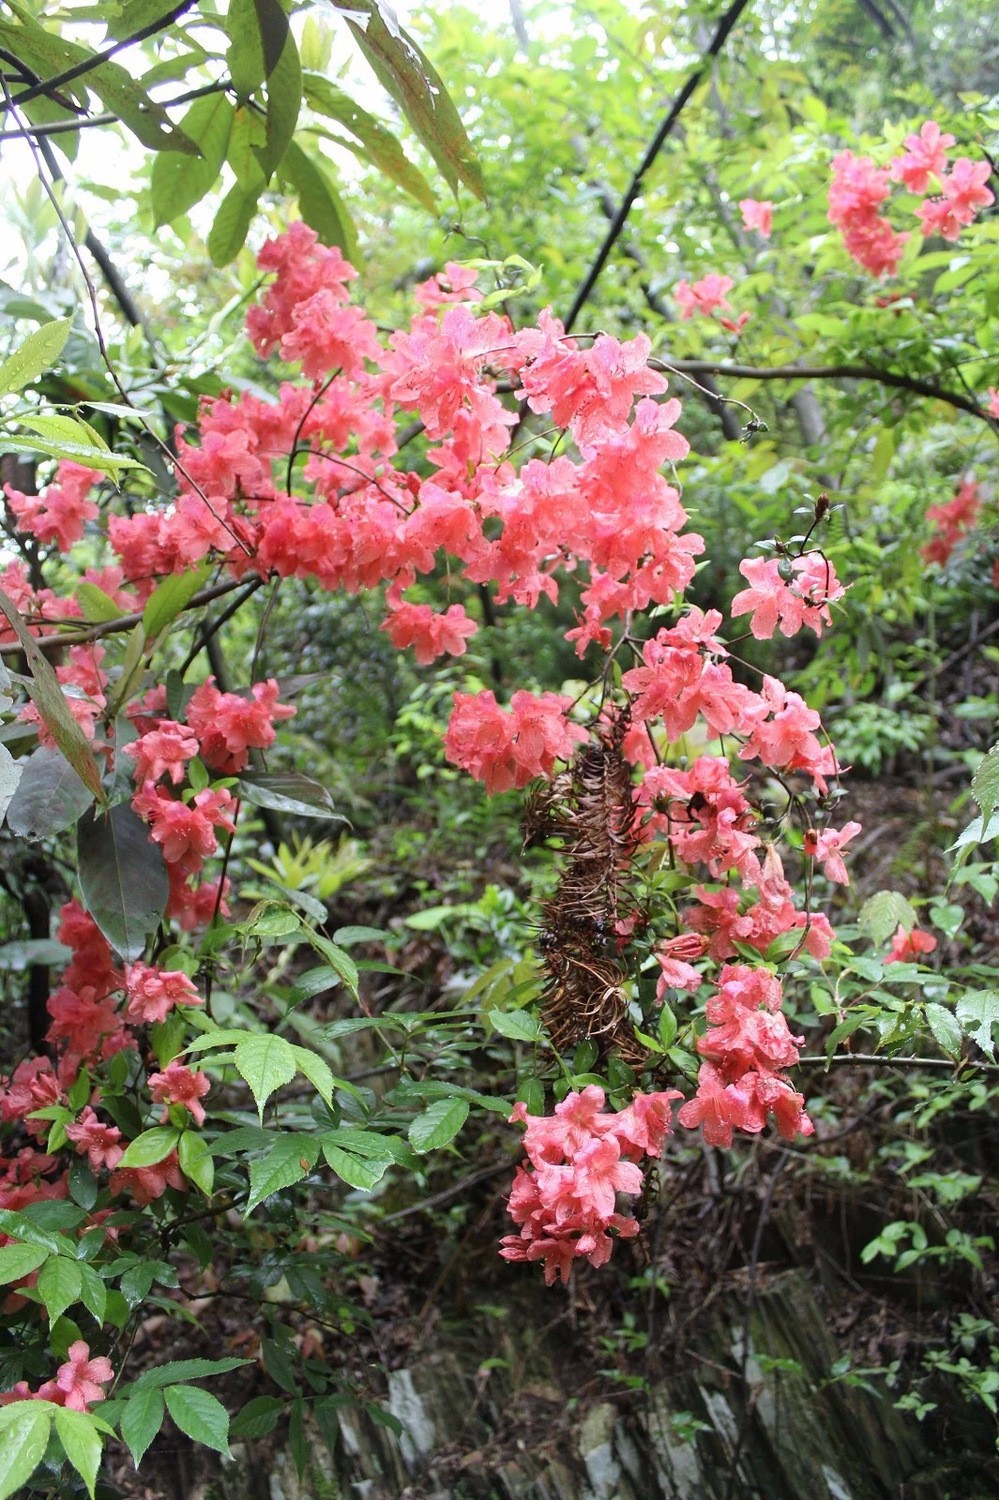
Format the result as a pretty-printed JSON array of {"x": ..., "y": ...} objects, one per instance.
[
  {"x": 184, "y": 1369},
  {"x": 232, "y": 221},
  {"x": 49, "y": 52},
  {"x": 177, "y": 182},
  {"x": 24, "y": 1436},
  {"x": 196, "y": 1161},
  {"x": 34, "y": 356},
  {"x": 257, "y": 1418},
  {"x": 290, "y": 1158},
  {"x": 943, "y": 1025},
  {"x": 266, "y": 1062},
  {"x": 17, "y": 1261},
  {"x": 200, "y": 1415},
  {"x": 414, "y": 83},
  {"x": 518, "y": 1025},
  {"x": 50, "y": 796},
  {"x": 318, "y": 200},
  {"x": 48, "y": 697},
  {"x": 10, "y": 777},
  {"x": 97, "y": 606},
  {"x": 142, "y": 1420},
  {"x": 62, "y": 429},
  {"x": 319, "y": 1074},
  {"x": 150, "y": 1147},
  {"x": 985, "y": 784},
  {"x": 59, "y": 1285},
  {"x": 284, "y": 95},
  {"x": 289, "y": 792},
  {"x": 79, "y": 453},
  {"x": 354, "y": 1170},
  {"x": 123, "y": 878},
  {"x": 169, "y": 598},
  {"x": 438, "y": 1124},
  {"x": 81, "y": 1443},
  {"x": 378, "y": 144}
]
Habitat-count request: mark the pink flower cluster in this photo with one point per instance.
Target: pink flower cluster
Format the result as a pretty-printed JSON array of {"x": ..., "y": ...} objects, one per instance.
[
  {"x": 859, "y": 188},
  {"x": 758, "y": 215},
  {"x": 710, "y": 294},
  {"x": 773, "y": 601},
  {"x": 508, "y": 749},
  {"x": 59, "y": 513},
  {"x": 581, "y": 1158},
  {"x": 746, "y": 1047},
  {"x": 952, "y": 521},
  {"x": 78, "y": 1383}
]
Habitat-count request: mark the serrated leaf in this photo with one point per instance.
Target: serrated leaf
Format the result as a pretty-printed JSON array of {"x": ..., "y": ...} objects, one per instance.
[
  {"x": 257, "y": 1418},
  {"x": 169, "y": 598},
  {"x": 319, "y": 1074},
  {"x": 142, "y": 1420},
  {"x": 59, "y": 1285},
  {"x": 183, "y": 1370},
  {"x": 438, "y": 1124},
  {"x": 943, "y": 1025},
  {"x": 287, "y": 791},
  {"x": 50, "y": 796},
  {"x": 59, "y": 428},
  {"x": 354, "y": 1170},
  {"x": 199, "y": 1415},
  {"x": 79, "y": 453},
  {"x": 97, "y": 606},
  {"x": 17, "y": 1261},
  {"x": 883, "y": 912},
  {"x": 123, "y": 878},
  {"x": 413, "y": 82},
  {"x": 985, "y": 784},
  {"x": 977, "y": 1014},
  {"x": 288, "y": 1161},
  {"x": 319, "y": 203},
  {"x": 20, "y": 1226},
  {"x": 377, "y": 143},
  {"x": 24, "y": 1436},
  {"x": 518, "y": 1025},
  {"x": 177, "y": 182},
  {"x": 46, "y": 692},
  {"x": 266, "y": 1063},
  {"x": 196, "y": 1161},
  {"x": 81, "y": 1443},
  {"x": 38, "y": 353},
  {"x": 93, "y": 1292}
]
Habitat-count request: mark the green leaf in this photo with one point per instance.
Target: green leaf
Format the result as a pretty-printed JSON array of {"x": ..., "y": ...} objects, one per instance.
[
  {"x": 336, "y": 958},
  {"x": 257, "y": 1418},
  {"x": 943, "y": 1025},
  {"x": 379, "y": 144},
  {"x": 50, "y": 796},
  {"x": 289, "y": 1159},
  {"x": 169, "y": 598},
  {"x": 196, "y": 1161},
  {"x": 46, "y": 691},
  {"x": 141, "y": 1420},
  {"x": 59, "y": 1286},
  {"x": 20, "y": 1226},
  {"x": 414, "y": 84},
  {"x": 319, "y": 203},
  {"x": 266, "y": 1062},
  {"x": 199, "y": 1415},
  {"x": 518, "y": 1025},
  {"x": 438, "y": 1124},
  {"x": 123, "y": 878},
  {"x": 10, "y": 778},
  {"x": 97, "y": 606},
  {"x": 883, "y": 912},
  {"x": 232, "y": 222},
  {"x": 20, "y": 1260},
  {"x": 81, "y": 1443},
  {"x": 284, "y": 91},
  {"x": 151, "y": 1147},
  {"x": 985, "y": 784},
  {"x": 287, "y": 791},
  {"x": 79, "y": 453},
  {"x": 34, "y": 356},
  {"x": 177, "y": 182},
  {"x": 319, "y": 1074},
  {"x": 60, "y": 428},
  {"x": 184, "y": 1369},
  {"x": 978, "y": 1013},
  {"x": 24, "y": 1436},
  {"x": 93, "y": 1292}
]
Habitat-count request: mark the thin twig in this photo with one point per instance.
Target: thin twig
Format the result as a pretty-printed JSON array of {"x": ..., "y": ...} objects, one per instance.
[
  {"x": 48, "y": 86},
  {"x": 102, "y": 628}
]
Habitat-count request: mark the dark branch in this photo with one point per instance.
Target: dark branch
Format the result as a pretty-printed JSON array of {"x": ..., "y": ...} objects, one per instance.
[
  {"x": 123, "y": 622},
  {"x": 48, "y": 86},
  {"x": 725, "y": 25}
]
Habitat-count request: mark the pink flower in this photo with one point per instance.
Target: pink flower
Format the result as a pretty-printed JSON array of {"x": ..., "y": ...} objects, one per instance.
[
  {"x": 80, "y": 1379},
  {"x": 509, "y": 748},
  {"x": 153, "y": 993},
  {"x": 162, "y": 752},
  {"x": 827, "y": 848},
  {"x": 907, "y": 946},
  {"x": 430, "y": 634},
  {"x": 925, "y": 156},
  {"x": 705, "y": 296},
  {"x": 757, "y": 214},
  {"x": 229, "y": 726},
  {"x": 993, "y": 401},
  {"x": 179, "y": 1085},
  {"x": 98, "y": 1141},
  {"x": 59, "y": 512},
  {"x": 676, "y": 972},
  {"x": 148, "y": 1183}
]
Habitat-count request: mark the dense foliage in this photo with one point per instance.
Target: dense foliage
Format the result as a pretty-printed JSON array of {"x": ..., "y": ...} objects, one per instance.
[{"x": 224, "y": 1063}]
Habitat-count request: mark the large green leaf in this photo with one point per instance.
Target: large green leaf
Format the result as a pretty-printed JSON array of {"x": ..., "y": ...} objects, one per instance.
[
  {"x": 170, "y": 597},
  {"x": 232, "y": 222},
  {"x": 34, "y": 356},
  {"x": 184, "y": 1369},
  {"x": 123, "y": 877},
  {"x": 200, "y": 1415},
  {"x": 289, "y": 792},
  {"x": 17, "y": 1261},
  {"x": 49, "y": 699},
  {"x": 59, "y": 1285},
  {"x": 377, "y": 144},
  {"x": 10, "y": 778},
  {"x": 284, "y": 95},
  {"x": 266, "y": 1062},
  {"x": 883, "y": 912},
  {"x": 408, "y": 76},
  {"x": 141, "y": 1420},
  {"x": 985, "y": 784},
  {"x": 151, "y": 1147},
  {"x": 978, "y": 1014},
  {"x": 50, "y": 796},
  {"x": 177, "y": 183},
  {"x": 438, "y": 1124},
  {"x": 24, "y": 1436},
  {"x": 81, "y": 1443},
  {"x": 318, "y": 200},
  {"x": 289, "y": 1159}
]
